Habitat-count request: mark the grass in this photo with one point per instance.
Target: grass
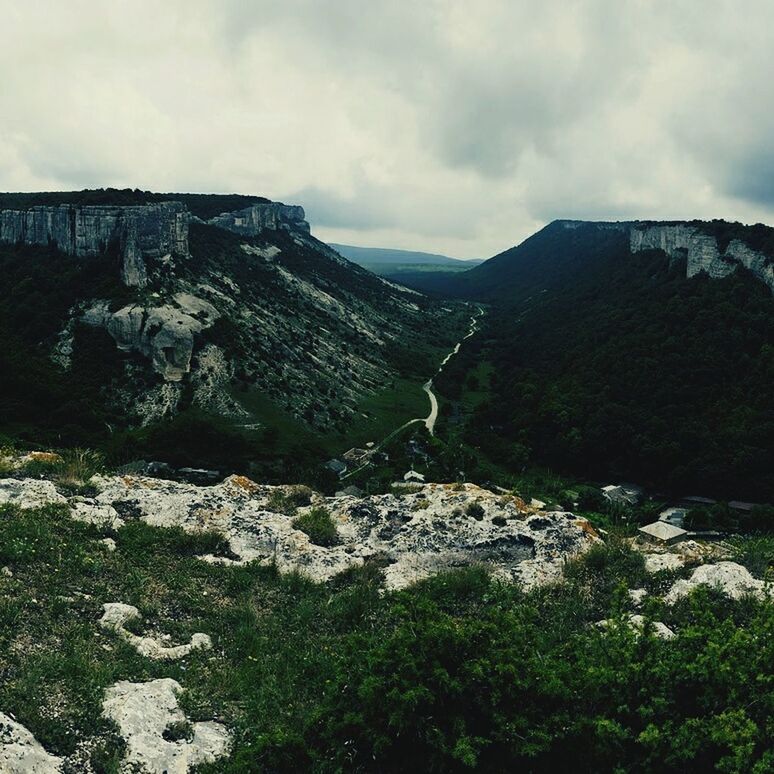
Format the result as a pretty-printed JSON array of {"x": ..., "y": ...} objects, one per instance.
[
  {"x": 319, "y": 525},
  {"x": 289, "y": 500}
]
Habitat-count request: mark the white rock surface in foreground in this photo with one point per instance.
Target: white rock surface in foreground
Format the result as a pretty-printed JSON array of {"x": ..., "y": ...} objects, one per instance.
[
  {"x": 417, "y": 533},
  {"x": 21, "y": 753},
  {"x": 29, "y": 493},
  {"x": 659, "y": 562},
  {"x": 117, "y": 615},
  {"x": 729, "y": 577},
  {"x": 143, "y": 712}
]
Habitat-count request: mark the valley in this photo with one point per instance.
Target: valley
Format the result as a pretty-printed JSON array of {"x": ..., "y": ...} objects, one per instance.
[{"x": 253, "y": 496}]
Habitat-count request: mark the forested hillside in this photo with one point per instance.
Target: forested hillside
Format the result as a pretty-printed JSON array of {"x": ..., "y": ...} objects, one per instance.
[{"x": 610, "y": 364}]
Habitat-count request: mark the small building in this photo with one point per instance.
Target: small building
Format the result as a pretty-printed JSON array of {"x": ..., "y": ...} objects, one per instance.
[
  {"x": 412, "y": 477},
  {"x": 355, "y": 454},
  {"x": 694, "y": 501},
  {"x": 625, "y": 494},
  {"x": 663, "y": 532},
  {"x": 336, "y": 466},
  {"x": 674, "y": 516},
  {"x": 738, "y": 505}
]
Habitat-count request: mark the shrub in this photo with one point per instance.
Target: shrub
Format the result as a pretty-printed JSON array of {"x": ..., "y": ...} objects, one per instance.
[
  {"x": 318, "y": 524},
  {"x": 288, "y": 501},
  {"x": 475, "y": 510}
]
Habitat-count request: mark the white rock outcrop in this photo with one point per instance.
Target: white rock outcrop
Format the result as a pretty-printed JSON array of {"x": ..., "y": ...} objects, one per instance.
[
  {"x": 29, "y": 493},
  {"x": 415, "y": 534},
  {"x": 21, "y": 753},
  {"x": 701, "y": 250},
  {"x": 641, "y": 624},
  {"x": 117, "y": 615},
  {"x": 164, "y": 333},
  {"x": 99, "y": 514},
  {"x": 729, "y": 577},
  {"x": 659, "y": 562},
  {"x": 144, "y": 712}
]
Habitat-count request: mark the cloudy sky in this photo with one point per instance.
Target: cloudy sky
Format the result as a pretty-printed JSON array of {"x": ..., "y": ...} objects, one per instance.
[{"x": 443, "y": 125}]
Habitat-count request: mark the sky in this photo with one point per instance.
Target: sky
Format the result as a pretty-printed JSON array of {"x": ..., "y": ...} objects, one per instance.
[{"x": 447, "y": 126}]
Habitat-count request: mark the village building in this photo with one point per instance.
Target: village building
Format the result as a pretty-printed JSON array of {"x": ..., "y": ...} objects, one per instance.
[{"x": 662, "y": 532}]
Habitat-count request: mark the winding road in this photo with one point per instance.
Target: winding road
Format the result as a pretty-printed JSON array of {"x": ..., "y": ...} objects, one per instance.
[{"x": 430, "y": 420}]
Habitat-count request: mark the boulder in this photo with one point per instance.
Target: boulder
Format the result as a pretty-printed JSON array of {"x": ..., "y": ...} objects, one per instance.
[
  {"x": 148, "y": 715},
  {"x": 731, "y": 578},
  {"x": 29, "y": 493},
  {"x": 21, "y": 753}
]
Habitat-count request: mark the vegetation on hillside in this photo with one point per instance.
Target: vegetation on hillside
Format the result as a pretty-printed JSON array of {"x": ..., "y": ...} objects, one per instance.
[
  {"x": 457, "y": 673},
  {"x": 614, "y": 365},
  {"x": 204, "y": 206}
]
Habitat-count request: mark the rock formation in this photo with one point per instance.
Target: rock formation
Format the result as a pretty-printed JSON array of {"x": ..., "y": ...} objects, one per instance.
[
  {"x": 165, "y": 333},
  {"x": 640, "y": 624},
  {"x": 701, "y": 250},
  {"x": 272, "y": 216},
  {"x": 416, "y": 533},
  {"x": 730, "y": 578},
  {"x": 147, "y": 714},
  {"x": 117, "y": 615},
  {"x": 21, "y": 753},
  {"x": 139, "y": 232}
]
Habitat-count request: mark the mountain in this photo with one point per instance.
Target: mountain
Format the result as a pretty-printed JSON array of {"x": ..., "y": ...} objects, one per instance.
[
  {"x": 121, "y": 310},
  {"x": 406, "y": 267},
  {"x": 367, "y": 256},
  {"x": 635, "y": 350}
]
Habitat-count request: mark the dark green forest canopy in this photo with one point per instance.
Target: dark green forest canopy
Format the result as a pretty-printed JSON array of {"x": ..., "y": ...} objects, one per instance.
[
  {"x": 609, "y": 364},
  {"x": 204, "y": 206}
]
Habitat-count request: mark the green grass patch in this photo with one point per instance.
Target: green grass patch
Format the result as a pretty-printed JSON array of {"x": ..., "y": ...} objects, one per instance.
[{"x": 318, "y": 524}]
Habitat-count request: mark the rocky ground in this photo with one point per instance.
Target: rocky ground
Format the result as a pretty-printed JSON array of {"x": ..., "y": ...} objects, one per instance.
[{"x": 413, "y": 533}]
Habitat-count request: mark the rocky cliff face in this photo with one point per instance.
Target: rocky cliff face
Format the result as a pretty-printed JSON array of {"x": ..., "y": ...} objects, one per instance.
[
  {"x": 252, "y": 220},
  {"x": 164, "y": 334},
  {"x": 151, "y": 230},
  {"x": 701, "y": 250}
]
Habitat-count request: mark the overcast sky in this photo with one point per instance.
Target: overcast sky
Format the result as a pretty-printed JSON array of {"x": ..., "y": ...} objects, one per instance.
[{"x": 454, "y": 127}]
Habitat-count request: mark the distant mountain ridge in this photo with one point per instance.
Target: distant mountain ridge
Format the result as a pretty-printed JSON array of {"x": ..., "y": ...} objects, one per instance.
[
  {"x": 716, "y": 248},
  {"x": 383, "y": 255}
]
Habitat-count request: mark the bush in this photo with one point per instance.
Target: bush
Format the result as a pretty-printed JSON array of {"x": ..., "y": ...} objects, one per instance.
[
  {"x": 319, "y": 525},
  {"x": 287, "y": 501}
]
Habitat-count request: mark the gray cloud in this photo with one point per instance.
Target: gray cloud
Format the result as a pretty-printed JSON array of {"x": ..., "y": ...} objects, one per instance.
[{"x": 446, "y": 125}]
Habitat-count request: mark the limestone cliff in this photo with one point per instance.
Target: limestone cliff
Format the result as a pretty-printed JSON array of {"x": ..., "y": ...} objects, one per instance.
[
  {"x": 701, "y": 250},
  {"x": 263, "y": 216},
  {"x": 149, "y": 230}
]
